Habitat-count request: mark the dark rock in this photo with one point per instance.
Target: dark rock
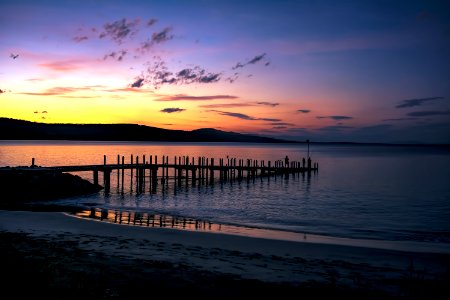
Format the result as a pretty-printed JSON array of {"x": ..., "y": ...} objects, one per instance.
[{"x": 22, "y": 184}]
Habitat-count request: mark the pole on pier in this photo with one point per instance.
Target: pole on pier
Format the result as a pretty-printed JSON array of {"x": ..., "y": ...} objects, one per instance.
[
  {"x": 96, "y": 177},
  {"x": 106, "y": 178},
  {"x": 123, "y": 171},
  {"x": 307, "y": 141}
]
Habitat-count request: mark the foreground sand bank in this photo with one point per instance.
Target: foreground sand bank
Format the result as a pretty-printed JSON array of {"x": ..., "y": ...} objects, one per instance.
[{"x": 299, "y": 265}]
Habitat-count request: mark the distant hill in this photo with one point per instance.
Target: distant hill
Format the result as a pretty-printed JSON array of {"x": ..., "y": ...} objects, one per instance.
[{"x": 12, "y": 129}]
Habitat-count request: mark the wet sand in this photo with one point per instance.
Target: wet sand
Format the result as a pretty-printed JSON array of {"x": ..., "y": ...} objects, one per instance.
[{"x": 51, "y": 253}]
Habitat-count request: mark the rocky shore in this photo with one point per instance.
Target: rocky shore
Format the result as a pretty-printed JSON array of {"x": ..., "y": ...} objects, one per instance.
[{"x": 26, "y": 184}]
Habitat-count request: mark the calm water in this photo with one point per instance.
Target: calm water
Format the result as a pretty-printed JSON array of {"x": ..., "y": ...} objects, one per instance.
[{"x": 397, "y": 193}]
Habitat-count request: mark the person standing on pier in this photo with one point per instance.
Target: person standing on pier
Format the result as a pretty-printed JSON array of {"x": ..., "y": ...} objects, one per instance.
[{"x": 286, "y": 162}]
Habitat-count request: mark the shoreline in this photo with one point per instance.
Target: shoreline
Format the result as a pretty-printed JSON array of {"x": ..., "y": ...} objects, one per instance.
[
  {"x": 111, "y": 216},
  {"x": 350, "y": 269}
]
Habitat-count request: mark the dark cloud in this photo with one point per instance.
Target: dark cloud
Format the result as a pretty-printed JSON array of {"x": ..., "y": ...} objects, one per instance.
[
  {"x": 117, "y": 55},
  {"x": 119, "y": 30},
  {"x": 236, "y": 115},
  {"x": 279, "y": 127},
  {"x": 336, "y": 118},
  {"x": 427, "y": 113},
  {"x": 257, "y": 58},
  {"x": 151, "y": 22},
  {"x": 138, "y": 83},
  {"x": 44, "y": 112},
  {"x": 79, "y": 39},
  {"x": 297, "y": 129},
  {"x": 252, "y": 61},
  {"x": 172, "y": 110},
  {"x": 210, "y": 77},
  {"x": 269, "y": 119},
  {"x": 157, "y": 38},
  {"x": 162, "y": 36},
  {"x": 226, "y": 105},
  {"x": 305, "y": 111},
  {"x": 158, "y": 74},
  {"x": 1, "y": 91},
  {"x": 272, "y": 104},
  {"x": 334, "y": 128},
  {"x": 416, "y": 102},
  {"x": 183, "y": 97},
  {"x": 244, "y": 116},
  {"x": 282, "y": 124},
  {"x": 398, "y": 119}
]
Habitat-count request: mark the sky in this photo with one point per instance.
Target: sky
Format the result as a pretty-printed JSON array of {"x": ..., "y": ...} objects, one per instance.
[{"x": 353, "y": 71}]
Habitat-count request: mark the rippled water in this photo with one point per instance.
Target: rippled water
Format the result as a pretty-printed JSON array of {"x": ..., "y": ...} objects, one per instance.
[{"x": 360, "y": 191}]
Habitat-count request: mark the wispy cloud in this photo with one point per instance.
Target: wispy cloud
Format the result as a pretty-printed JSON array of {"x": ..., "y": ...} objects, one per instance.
[
  {"x": 398, "y": 119},
  {"x": 119, "y": 30},
  {"x": 157, "y": 38},
  {"x": 66, "y": 91},
  {"x": 53, "y": 91},
  {"x": 183, "y": 97},
  {"x": 334, "y": 128},
  {"x": 244, "y": 116},
  {"x": 304, "y": 111},
  {"x": 79, "y": 39},
  {"x": 172, "y": 110},
  {"x": 138, "y": 83},
  {"x": 240, "y": 104},
  {"x": 152, "y": 22},
  {"x": 117, "y": 55},
  {"x": 416, "y": 102},
  {"x": 282, "y": 124},
  {"x": 428, "y": 113},
  {"x": 272, "y": 104},
  {"x": 336, "y": 118},
  {"x": 158, "y": 74},
  {"x": 226, "y": 105},
  {"x": 251, "y": 61},
  {"x": 64, "y": 65}
]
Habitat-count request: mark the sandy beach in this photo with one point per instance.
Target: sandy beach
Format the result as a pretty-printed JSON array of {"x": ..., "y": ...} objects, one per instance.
[{"x": 125, "y": 260}]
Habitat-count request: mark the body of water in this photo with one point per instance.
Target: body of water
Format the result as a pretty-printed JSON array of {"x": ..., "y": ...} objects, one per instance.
[{"x": 374, "y": 192}]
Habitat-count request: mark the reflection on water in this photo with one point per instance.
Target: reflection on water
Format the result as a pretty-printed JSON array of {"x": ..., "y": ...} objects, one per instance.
[
  {"x": 146, "y": 219},
  {"x": 155, "y": 220}
]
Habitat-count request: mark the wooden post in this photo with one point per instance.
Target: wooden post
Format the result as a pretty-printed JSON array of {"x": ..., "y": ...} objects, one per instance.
[
  {"x": 106, "y": 178},
  {"x": 131, "y": 174},
  {"x": 123, "y": 170},
  {"x": 104, "y": 159},
  {"x": 32, "y": 162},
  {"x": 211, "y": 173},
  {"x": 118, "y": 171},
  {"x": 95, "y": 176}
]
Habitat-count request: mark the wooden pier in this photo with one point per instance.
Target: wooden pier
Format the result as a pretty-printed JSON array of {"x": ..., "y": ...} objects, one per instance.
[{"x": 184, "y": 170}]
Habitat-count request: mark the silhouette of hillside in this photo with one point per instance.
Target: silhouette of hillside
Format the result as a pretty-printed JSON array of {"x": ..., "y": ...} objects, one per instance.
[{"x": 12, "y": 129}]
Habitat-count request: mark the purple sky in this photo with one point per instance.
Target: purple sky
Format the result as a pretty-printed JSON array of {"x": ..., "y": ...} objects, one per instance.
[{"x": 360, "y": 71}]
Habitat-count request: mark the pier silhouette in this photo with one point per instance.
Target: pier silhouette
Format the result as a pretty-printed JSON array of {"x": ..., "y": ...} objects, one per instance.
[{"x": 147, "y": 172}]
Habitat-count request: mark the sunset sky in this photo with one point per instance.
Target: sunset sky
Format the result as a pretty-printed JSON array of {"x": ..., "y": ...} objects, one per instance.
[{"x": 361, "y": 71}]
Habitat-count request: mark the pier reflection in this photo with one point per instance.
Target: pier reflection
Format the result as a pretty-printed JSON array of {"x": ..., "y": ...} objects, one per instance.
[{"x": 147, "y": 219}]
